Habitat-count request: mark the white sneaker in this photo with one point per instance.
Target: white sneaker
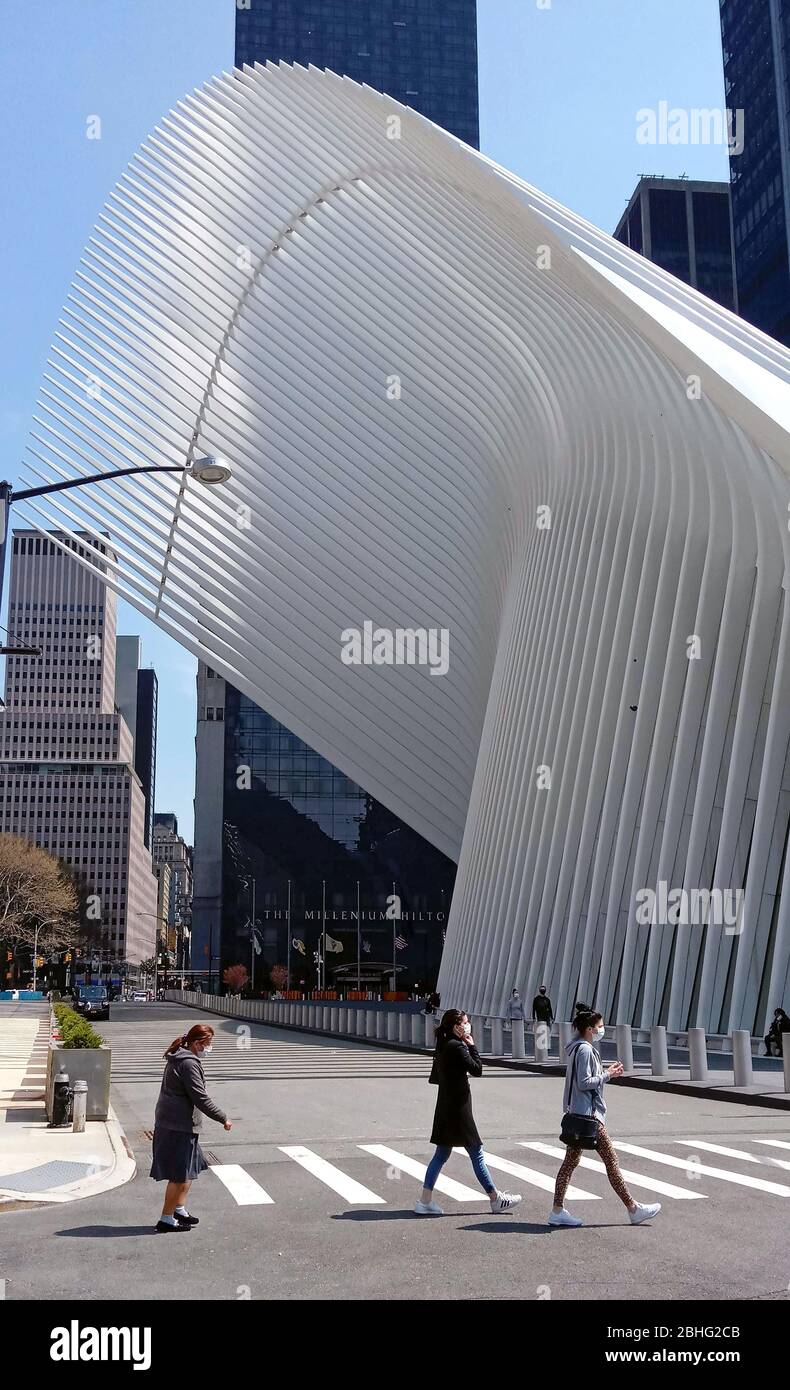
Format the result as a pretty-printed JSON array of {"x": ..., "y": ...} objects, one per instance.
[
  {"x": 505, "y": 1201},
  {"x": 428, "y": 1209},
  {"x": 564, "y": 1218},
  {"x": 644, "y": 1212}
]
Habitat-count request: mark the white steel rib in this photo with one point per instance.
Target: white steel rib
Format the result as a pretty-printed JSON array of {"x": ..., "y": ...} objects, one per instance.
[{"x": 413, "y": 361}]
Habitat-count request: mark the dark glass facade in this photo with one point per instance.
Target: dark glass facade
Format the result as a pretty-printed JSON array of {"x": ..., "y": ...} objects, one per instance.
[
  {"x": 295, "y": 828},
  {"x": 145, "y": 745},
  {"x": 421, "y": 52},
  {"x": 685, "y": 228},
  {"x": 755, "y": 43}
]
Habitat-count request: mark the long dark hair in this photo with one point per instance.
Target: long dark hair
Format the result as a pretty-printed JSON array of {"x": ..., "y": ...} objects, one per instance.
[
  {"x": 585, "y": 1018},
  {"x": 199, "y": 1032},
  {"x": 450, "y": 1020}
]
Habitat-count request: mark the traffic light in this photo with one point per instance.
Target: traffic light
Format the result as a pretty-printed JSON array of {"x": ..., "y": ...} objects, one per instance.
[{"x": 68, "y": 958}]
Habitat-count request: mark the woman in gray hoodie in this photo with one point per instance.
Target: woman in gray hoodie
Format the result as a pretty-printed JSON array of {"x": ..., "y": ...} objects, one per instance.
[
  {"x": 585, "y": 1079},
  {"x": 178, "y": 1157}
]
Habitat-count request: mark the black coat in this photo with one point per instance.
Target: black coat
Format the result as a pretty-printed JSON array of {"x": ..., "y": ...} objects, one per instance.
[{"x": 453, "y": 1122}]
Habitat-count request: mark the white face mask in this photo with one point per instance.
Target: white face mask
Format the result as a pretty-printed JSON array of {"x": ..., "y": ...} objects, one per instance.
[
  {"x": 208, "y": 1049},
  {"x": 599, "y": 1032},
  {"x": 467, "y": 1028}
]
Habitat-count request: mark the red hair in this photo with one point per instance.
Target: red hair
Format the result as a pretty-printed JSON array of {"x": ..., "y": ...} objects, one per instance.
[{"x": 199, "y": 1032}]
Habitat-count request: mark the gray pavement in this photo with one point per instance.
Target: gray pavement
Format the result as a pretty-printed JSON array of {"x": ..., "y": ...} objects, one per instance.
[{"x": 722, "y": 1233}]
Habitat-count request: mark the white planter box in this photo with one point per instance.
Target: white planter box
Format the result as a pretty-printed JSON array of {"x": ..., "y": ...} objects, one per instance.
[{"x": 91, "y": 1064}]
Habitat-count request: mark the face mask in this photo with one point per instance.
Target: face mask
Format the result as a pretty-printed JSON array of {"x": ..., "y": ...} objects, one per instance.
[
  {"x": 599, "y": 1033},
  {"x": 467, "y": 1027},
  {"x": 210, "y": 1048}
]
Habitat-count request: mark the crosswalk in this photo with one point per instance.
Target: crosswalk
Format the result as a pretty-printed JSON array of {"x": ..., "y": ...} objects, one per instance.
[
  {"x": 535, "y": 1179},
  {"x": 241, "y": 1053}
]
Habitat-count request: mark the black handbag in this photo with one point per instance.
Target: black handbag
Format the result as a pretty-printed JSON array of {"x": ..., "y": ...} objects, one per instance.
[{"x": 579, "y": 1131}]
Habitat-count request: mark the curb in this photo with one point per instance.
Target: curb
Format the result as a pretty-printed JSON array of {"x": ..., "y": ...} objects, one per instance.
[
  {"x": 703, "y": 1090},
  {"x": 120, "y": 1171}
]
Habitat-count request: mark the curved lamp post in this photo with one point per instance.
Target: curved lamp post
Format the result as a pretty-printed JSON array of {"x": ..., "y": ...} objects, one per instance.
[{"x": 209, "y": 471}]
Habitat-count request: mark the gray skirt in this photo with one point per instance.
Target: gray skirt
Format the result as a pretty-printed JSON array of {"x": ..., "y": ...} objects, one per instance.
[{"x": 177, "y": 1157}]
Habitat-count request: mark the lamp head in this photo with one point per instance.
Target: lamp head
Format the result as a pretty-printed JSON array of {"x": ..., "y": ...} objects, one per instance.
[{"x": 210, "y": 470}]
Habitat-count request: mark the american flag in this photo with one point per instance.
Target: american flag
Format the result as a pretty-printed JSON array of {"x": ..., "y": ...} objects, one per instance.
[
  {"x": 366, "y": 947},
  {"x": 400, "y": 943}
]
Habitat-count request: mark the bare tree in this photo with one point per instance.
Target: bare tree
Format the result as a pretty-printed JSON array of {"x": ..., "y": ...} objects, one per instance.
[{"x": 38, "y": 898}]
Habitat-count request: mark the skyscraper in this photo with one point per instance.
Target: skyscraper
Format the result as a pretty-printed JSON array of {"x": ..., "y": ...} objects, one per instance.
[
  {"x": 136, "y": 695},
  {"x": 756, "y": 44},
  {"x": 421, "y": 52},
  {"x": 67, "y": 779},
  {"x": 683, "y": 225}
]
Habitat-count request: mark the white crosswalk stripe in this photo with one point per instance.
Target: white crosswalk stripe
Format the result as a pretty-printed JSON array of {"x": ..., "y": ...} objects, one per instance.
[
  {"x": 456, "y": 1191},
  {"x": 339, "y": 1181},
  {"x": 531, "y": 1175},
  {"x": 243, "y": 1188},
  {"x": 667, "y": 1189},
  {"x": 727, "y": 1152},
  {"x": 689, "y": 1167},
  {"x": 775, "y": 1143}
]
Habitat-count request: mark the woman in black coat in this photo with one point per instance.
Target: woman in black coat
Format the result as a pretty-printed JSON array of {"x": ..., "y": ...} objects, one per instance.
[{"x": 456, "y": 1059}]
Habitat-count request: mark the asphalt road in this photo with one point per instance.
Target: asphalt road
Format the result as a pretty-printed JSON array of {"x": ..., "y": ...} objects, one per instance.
[{"x": 273, "y": 1224}]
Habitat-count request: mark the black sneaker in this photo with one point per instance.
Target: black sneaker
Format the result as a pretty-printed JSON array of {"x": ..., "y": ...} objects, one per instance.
[
  {"x": 187, "y": 1220},
  {"x": 165, "y": 1226}
]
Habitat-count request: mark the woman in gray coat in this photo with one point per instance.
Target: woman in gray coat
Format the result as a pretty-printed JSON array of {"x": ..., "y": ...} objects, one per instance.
[{"x": 178, "y": 1157}]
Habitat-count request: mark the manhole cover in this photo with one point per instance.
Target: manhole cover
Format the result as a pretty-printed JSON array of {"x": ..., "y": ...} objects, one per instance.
[
  {"x": 46, "y": 1175},
  {"x": 147, "y": 1134}
]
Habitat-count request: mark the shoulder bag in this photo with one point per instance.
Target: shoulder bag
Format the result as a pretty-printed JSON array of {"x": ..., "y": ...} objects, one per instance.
[{"x": 579, "y": 1131}]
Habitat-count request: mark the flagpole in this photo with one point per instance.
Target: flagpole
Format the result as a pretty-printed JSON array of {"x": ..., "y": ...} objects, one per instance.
[
  {"x": 252, "y": 936},
  {"x": 288, "y": 957},
  {"x": 322, "y": 959},
  {"x": 394, "y": 949},
  {"x": 359, "y": 945}
]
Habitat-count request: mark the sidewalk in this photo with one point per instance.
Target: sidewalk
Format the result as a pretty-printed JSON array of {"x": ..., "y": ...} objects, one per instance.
[{"x": 38, "y": 1164}]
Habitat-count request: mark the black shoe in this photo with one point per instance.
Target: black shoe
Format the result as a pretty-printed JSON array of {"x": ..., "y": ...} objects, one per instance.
[
  {"x": 165, "y": 1226},
  {"x": 187, "y": 1220}
]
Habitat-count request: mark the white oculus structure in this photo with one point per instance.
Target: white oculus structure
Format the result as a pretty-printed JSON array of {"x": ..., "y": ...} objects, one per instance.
[{"x": 449, "y": 403}]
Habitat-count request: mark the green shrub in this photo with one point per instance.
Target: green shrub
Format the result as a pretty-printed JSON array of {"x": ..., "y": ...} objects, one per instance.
[{"x": 75, "y": 1030}]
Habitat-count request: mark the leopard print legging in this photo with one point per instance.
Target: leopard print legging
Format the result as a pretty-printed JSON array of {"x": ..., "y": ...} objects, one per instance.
[{"x": 607, "y": 1156}]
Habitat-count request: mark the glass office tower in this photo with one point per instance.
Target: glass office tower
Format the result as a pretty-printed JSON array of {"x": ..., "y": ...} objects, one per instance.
[
  {"x": 421, "y": 52},
  {"x": 683, "y": 225},
  {"x": 756, "y": 55}
]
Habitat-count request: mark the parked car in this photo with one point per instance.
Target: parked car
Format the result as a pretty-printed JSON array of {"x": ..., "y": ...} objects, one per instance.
[
  {"x": 140, "y": 996},
  {"x": 93, "y": 1001}
]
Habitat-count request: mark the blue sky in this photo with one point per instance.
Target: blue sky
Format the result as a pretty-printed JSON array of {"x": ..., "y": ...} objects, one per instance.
[{"x": 559, "y": 91}]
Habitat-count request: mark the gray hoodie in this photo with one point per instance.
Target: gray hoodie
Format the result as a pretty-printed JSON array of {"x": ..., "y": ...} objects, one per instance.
[
  {"x": 184, "y": 1095},
  {"x": 584, "y": 1080}
]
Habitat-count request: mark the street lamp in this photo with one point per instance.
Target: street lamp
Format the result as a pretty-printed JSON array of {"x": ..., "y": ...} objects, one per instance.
[{"x": 209, "y": 471}]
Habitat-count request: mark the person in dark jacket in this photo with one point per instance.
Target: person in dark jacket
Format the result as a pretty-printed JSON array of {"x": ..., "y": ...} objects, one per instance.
[
  {"x": 178, "y": 1158},
  {"x": 456, "y": 1059},
  {"x": 542, "y": 1011},
  {"x": 773, "y": 1038}
]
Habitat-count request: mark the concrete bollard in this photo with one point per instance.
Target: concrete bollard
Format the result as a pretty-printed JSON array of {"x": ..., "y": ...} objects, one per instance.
[
  {"x": 698, "y": 1054},
  {"x": 497, "y": 1038},
  {"x": 342, "y": 1018},
  {"x": 417, "y": 1030},
  {"x": 659, "y": 1057},
  {"x": 311, "y": 1015},
  {"x": 430, "y": 1030},
  {"x": 517, "y": 1047},
  {"x": 567, "y": 1034},
  {"x": 371, "y": 1026},
  {"x": 625, "y": 1046},
  {"x": 404, "y": 1028},
  {"x": 392, "y": 1026},
  {"x": 381, "y": 1023},
  {"x": 80, "y": 1110},
  {"x": 326, "y": 1020},
  {"x": 743, "y": 1073},
  {"x": 334, "y": 1019},
  {"x": 786, "y": 1062},
  {"x": 542, "y": 1033},
  {"x": 479, "y": 1032}
]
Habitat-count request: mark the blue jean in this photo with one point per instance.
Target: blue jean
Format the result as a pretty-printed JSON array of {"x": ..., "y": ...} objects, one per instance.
[{"x": 441, "y": 1156}]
